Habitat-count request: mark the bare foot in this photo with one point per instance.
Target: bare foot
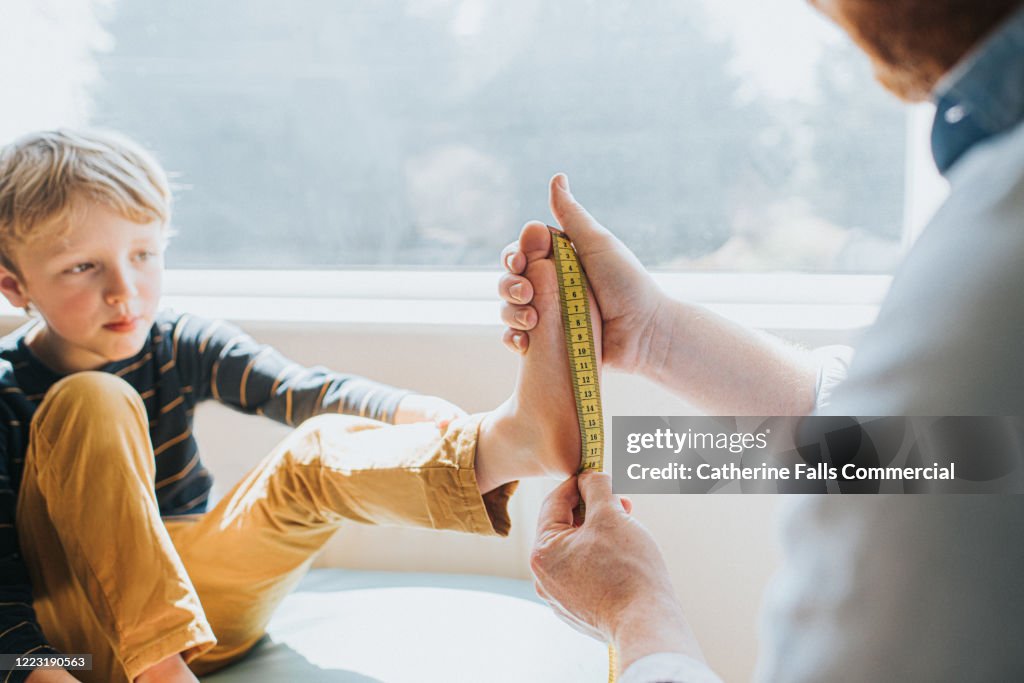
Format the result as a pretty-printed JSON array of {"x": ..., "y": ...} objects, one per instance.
[
  {"x": 170, "y": 670},
  {"x": 536, "y": 432}
]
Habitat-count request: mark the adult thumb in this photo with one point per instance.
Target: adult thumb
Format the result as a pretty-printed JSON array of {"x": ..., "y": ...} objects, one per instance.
[
  {"x": 556, "y": 510},
  {"x": 596, "y": 491},
  {"x": 575, "y": 221}
]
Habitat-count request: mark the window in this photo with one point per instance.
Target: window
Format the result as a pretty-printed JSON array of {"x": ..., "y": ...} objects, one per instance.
[{"x": 740, "y": 136}]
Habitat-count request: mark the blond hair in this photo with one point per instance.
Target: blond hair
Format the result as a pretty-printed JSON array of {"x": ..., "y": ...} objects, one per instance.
[{"x": 43, "y": 174}]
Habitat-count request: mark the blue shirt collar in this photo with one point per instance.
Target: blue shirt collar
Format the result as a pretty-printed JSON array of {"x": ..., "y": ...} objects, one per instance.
[{"x": 982, "y": 96}]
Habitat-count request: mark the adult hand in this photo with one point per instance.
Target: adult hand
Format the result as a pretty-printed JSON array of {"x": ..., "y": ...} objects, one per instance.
[
  {"x": 626, "y": 293},
  {"x": 420, "y": 408},
  {"x": 707, "y": 359},
  {"x": 607, "y": 577}
]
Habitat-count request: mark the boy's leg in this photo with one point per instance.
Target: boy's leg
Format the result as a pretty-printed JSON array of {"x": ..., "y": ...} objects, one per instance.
[
  {"x": 254, "y": 546},
  {"x": 247, "y": 554},
  {"x": 106, "y": 577}
]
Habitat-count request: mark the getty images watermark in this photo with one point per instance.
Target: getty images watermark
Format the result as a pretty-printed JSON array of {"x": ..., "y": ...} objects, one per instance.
[{"x": 818, "y": 454}]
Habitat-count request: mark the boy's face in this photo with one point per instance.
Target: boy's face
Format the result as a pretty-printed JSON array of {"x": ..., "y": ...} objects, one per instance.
[{"x": 97, "y": 288}]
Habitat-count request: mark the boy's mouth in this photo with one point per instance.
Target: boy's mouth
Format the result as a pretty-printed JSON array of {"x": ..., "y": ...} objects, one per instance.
[{"x": 123, "y": 324}]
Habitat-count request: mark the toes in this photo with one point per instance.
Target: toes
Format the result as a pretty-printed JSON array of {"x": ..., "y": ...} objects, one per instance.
[
  {"x": 516, "y": 341},
  {"x": 535, "y": 241},
  {"x": 513, "y": 260},
  {"x": 515, "y": 289},
  {"x": 519, "y": 317}
]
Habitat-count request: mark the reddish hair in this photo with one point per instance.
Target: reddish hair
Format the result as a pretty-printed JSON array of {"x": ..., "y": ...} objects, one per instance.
[{"x": 912, "y": 43}]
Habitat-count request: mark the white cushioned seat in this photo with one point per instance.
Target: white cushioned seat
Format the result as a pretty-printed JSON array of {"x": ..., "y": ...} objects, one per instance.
[{"x": 342, "y": 626}]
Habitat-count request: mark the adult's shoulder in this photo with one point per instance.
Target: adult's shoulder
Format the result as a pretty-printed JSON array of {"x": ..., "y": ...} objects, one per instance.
[
  {"x": 990, "y": 174},
  {"x": 917, "y": 588}
]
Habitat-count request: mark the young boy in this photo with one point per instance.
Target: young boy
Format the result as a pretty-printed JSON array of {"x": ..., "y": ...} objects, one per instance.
[{"x": 106, "y": 543}]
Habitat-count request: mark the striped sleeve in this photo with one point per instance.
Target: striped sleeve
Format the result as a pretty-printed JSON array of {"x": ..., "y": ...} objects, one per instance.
[
  {"x": 231, "y": 367},
  {"x": 20, "y": 633}
]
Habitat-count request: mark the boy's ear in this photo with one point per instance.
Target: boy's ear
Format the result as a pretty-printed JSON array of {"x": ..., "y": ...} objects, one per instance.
[{"x": 12, "y": 288}]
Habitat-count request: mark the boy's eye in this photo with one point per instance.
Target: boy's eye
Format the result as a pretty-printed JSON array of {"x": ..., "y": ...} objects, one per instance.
[
  {"x": 146, "y": 255},
  {"x": 79, "y": 268}
]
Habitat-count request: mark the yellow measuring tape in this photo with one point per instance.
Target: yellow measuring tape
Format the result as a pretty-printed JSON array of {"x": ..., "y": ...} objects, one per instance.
[
  {"x": 572, "y": 289},
  {"x": 579, "y": 340}
]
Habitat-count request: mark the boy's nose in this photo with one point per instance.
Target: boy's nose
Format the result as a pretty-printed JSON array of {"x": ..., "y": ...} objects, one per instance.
[{"x": 120, "y": 287}]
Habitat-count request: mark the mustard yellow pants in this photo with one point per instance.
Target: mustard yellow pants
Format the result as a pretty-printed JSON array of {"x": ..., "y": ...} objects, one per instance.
[{"x": 113, "y": 579}]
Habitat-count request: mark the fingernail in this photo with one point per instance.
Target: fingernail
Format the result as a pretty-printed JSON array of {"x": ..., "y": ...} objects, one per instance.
[
  {"x": 521, "y": 317},
  {"x": 516, "y": 291},
  {"x": 508, "y": 261},
  {"x": 563, "y": 181},
  {"x": 517, "y": 339}
]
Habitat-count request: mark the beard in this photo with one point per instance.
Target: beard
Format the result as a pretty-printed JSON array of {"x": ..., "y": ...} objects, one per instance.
[{"x": 913, "y": 43}]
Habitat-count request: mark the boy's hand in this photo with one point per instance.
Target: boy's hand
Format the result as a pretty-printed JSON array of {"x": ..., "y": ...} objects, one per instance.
[
  {"x": 419, "y": 408},
  {"x": 173, "y": 669}
]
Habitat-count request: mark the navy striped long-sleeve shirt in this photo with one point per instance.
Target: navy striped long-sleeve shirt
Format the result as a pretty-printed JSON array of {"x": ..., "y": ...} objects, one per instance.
[{"x": 185, "y": 360}]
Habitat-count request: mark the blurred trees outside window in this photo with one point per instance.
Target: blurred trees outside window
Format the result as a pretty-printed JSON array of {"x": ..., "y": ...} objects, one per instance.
[{"x": 740, "y": 136}]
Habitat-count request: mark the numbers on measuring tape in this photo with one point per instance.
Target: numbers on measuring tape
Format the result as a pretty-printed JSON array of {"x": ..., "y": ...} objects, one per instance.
[{"x": 572, "y": 288}]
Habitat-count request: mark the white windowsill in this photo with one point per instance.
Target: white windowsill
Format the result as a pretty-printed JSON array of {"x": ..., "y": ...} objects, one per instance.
[{"x": 776, "y": 301}]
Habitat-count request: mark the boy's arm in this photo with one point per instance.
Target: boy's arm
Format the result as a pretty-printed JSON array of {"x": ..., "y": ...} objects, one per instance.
[
  {"x": 224, "y": 363},
  {"x": 20, "y": 632}
]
